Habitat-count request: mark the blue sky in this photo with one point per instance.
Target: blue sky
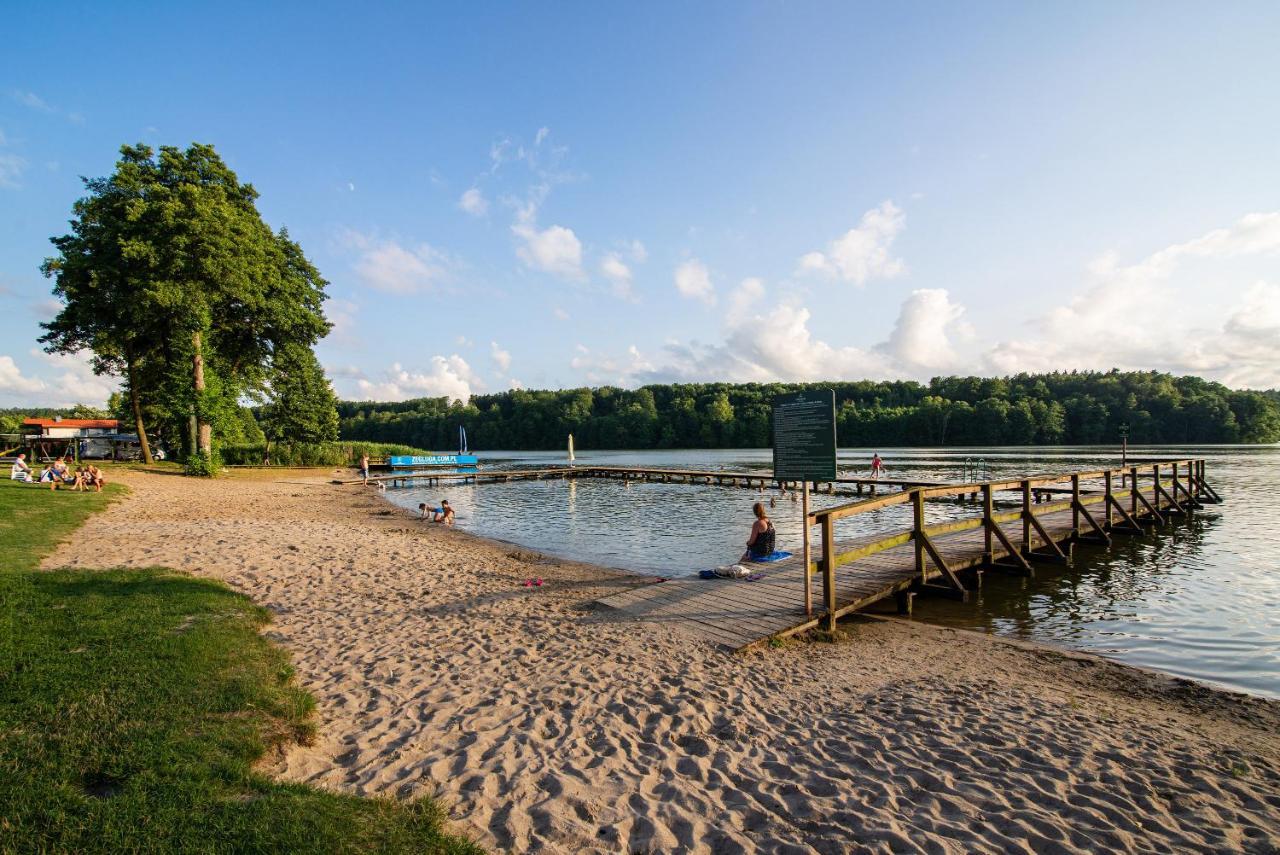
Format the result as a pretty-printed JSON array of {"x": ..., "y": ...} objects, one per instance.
[{"x": 553, "y": 195}]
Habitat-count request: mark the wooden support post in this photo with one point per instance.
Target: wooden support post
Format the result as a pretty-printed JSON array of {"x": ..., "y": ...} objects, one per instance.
[
  {"x": 808, "y": 576},
  {"x": 904, "y": 600},
  {"x": 924, "y": 544},
  {"x": 1075, "y": 505},
  {"x": 1107, "y": 502},
  {"x": 1133, "y": 491},
  {"x": 1174, "y": 507},
  {"x": 1189, "y": 500},
  {"x": 1026, "y": 517},
  {"x": 917, "y": 532},
  {"x": 1137, "y": 497},
  {"x": 988, "y": 555},
  {"x": 829, "y": 571},
  {"x": 1210, "y": 493}
]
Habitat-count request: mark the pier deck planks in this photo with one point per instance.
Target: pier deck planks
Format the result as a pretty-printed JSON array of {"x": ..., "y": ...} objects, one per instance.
[{"x": 737, "y": 613}]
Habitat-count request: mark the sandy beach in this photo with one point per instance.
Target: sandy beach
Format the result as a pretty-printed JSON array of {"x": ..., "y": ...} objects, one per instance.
[{"x": 545, "y": 724}]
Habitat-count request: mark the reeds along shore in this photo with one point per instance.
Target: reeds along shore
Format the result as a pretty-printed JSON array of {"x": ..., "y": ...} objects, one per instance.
[{"x": 545, "y": 725}]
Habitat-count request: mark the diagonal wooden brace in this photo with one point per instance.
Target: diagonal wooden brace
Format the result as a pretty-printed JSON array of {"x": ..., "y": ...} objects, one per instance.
[
  {"x": 1055, "y": 552},
  {"x": 1151, "y": 511},
  {"x": 1131, "y": 525},
  {"x": 1099, "y": 534},
  {"x": 947, "y": 572},
  {"x": 1174, "y": 507},
  {"x": 1190, "y": 500},
  {"x": 1013, "y": 559}
]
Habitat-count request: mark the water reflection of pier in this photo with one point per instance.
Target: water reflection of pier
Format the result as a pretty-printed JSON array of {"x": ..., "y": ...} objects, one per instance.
[{"x": 1042, "y": 522}]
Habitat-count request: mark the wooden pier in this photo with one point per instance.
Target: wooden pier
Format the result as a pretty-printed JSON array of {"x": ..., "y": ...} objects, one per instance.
[
  {"x": 849, "y": 486},
  {"x": 1013, "y": 532}
]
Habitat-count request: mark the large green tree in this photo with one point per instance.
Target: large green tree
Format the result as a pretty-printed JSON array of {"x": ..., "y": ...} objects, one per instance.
[
  {"x": 303, "y": 406},
  {"x": 170, "y": 277}
]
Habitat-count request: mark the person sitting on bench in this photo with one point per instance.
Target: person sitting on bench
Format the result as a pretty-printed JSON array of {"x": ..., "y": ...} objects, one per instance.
[{"x": 21, "y": 469}]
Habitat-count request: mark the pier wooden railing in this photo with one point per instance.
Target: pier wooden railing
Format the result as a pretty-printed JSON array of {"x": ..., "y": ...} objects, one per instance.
[{"x": 1174, "y": 486}]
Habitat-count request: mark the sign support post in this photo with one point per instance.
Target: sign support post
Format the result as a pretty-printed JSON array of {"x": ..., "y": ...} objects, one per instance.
[
  {"x": 804, "y": 527},
  {"x": 804, "y": 450}
]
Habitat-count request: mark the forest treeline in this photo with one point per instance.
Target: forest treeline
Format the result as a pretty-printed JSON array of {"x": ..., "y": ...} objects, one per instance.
[{"x": 1084, "y": 408}]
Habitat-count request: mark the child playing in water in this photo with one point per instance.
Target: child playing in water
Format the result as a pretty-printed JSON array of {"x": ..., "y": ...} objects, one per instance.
[{"x": 444, "y": 513}]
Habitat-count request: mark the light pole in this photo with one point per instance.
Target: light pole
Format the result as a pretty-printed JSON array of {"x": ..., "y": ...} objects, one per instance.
[{"x": 1124, "y": 444}]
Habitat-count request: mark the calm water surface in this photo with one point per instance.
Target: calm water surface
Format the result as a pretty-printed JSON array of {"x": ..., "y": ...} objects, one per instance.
[{"x": 1202, "y": 600}]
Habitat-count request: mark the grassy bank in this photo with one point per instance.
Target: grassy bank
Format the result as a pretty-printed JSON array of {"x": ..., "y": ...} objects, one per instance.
[{"x": 134, "y": 704}]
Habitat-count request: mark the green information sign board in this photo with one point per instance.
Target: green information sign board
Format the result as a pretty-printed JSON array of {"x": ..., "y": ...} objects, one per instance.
[{"x": 804, "y": 436}]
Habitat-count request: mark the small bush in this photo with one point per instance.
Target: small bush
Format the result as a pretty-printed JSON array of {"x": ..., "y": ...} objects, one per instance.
[{"x": 204, "y": 465}]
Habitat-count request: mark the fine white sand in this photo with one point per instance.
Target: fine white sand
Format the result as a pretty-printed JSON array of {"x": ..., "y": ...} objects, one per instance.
[{"x": 544, "y": 724}]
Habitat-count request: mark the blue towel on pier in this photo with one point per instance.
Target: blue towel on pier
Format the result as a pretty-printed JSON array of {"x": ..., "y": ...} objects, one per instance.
[{"x": 772, "y": 556}]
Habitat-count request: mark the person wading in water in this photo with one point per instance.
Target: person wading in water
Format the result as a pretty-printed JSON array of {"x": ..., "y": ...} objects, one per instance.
[{"x": 877, "y": 467}]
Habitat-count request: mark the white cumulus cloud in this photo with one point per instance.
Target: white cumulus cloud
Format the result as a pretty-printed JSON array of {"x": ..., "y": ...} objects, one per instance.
[
  {"x": 619, "y": 276},
  {"x": 501, "y": 358},
  {"x": 11, "y": 168},
  {"x": 444, "y": 377},
  {"x": 474, "y": 202},
  {"x": 14, "y": 382},
  {"x": 749, "y": 292},
  {"x": 864, "y": 252},
  {"x": 387, "y": 265},
  {"x": 921, "y": 339},
  {"x": 555, "y": 249},
  {"x": 68, "y": 380},
  {"x": 1140, "y": 316},
  {"x": 693, "y": 281}
]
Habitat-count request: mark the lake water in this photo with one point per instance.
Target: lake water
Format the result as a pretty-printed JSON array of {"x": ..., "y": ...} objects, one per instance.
[{"x": 1201, "y": 600}]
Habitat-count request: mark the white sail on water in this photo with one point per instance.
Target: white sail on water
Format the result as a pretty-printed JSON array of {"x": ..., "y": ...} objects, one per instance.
[{"x": 570, "y": 448}]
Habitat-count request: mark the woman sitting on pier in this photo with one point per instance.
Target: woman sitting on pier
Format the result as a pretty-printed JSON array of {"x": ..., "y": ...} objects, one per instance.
[{"x": 762, "y": 537}]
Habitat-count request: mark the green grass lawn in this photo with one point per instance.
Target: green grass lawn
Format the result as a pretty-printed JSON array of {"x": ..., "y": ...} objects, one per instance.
[{"x": 134, "y": 703}]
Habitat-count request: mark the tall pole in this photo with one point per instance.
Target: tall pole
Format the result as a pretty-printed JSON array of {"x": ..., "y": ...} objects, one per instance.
[{"x": 804, "y": 527}]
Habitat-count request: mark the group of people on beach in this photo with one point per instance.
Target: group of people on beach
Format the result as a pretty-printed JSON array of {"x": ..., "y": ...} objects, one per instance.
[
  {"x": 59, "y": 474},
  {"x": 442, "y": 514}
]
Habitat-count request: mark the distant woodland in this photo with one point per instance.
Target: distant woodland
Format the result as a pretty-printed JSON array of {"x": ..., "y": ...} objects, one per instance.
[{"x": 1075, "y": 408}]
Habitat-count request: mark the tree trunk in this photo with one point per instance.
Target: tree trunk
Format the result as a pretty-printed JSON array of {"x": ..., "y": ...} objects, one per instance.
[
  {"x": 204, "y": 436},
  {"x": 137, "y": 414}
]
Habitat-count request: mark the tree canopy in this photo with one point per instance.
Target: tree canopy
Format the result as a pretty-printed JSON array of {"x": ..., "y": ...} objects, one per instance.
[
  {"x": 173, "y": 281},
  {"x": 1026, "y": 409}
]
